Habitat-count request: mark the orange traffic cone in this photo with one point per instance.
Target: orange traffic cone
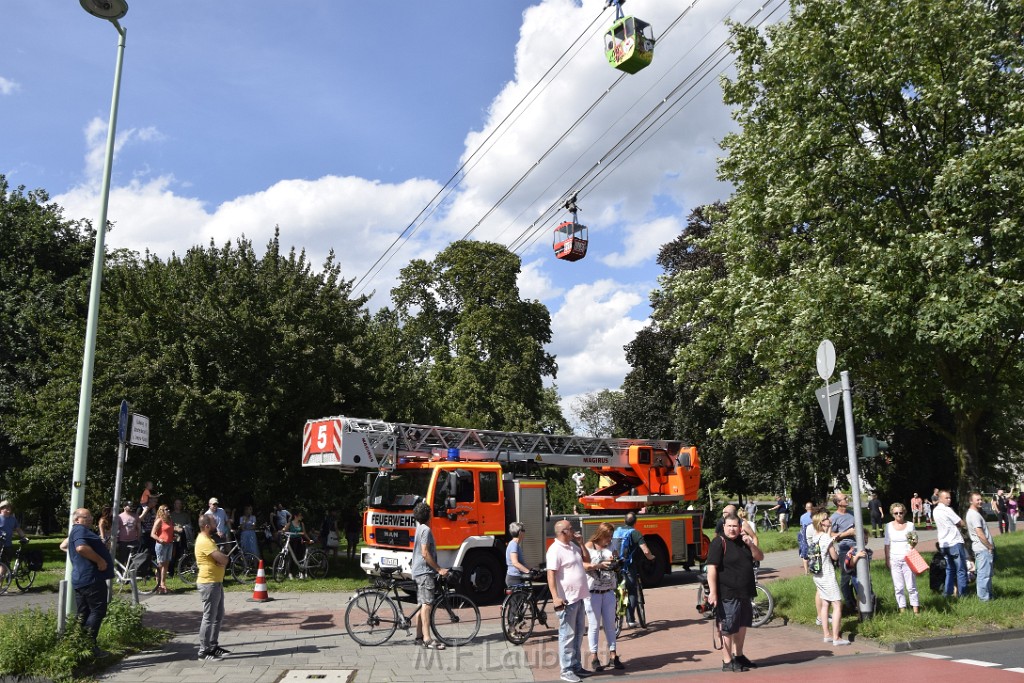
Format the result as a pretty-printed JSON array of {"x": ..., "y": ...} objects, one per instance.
[{"x": 259, "y": 592}]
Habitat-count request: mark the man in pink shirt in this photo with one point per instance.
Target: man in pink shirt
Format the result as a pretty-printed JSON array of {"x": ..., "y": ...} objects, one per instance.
[{"x": 567, "y": 580}]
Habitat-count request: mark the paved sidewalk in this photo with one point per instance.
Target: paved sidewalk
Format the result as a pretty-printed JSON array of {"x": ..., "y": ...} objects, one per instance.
[{"x": 306, "y": 631}]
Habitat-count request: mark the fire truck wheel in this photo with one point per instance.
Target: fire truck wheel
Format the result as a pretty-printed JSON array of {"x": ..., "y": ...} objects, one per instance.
[
  {"x": 483, "y": 578},
  {"x": 652, "y": 573}
]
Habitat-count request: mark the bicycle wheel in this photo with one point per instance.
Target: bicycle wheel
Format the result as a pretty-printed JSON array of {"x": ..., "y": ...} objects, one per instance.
[
  {"x": 454, "y": 619},
  {"x": 188, "y": 570},
  {"x": 517, "y": 617},
  {"x": 316, "y": 564},
  {"x": 145, "y": 578},
  {"x": 641, "y": 610},
  {"x": 371, "y": 617},
  {"x": 242, "y": 568},
  {"x": 24, "y": 577},
  {"x": 763, "y": 605},
  {"x": 5, "y": 577},
  {"x": 280, "y": 568}
]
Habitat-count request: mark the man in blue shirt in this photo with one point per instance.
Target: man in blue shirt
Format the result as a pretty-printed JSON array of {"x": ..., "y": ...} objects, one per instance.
[
  {"x": 91, "y": 566},
  {"x": 9, "y": 527}
]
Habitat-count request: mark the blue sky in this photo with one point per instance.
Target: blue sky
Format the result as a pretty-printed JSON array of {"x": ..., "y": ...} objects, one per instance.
[{"x": 338, "y": 122}]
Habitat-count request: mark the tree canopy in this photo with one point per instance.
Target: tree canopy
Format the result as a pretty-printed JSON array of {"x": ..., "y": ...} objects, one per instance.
[{"x": 878, "y": 176}]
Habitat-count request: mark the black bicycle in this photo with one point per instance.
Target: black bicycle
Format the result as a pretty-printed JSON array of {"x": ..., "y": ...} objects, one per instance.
[
  {"x": 374, "y": 613},
  {"x": 762, "y": 604},
  {"x": 243, "y": 565},
  {"x": 22, "y": 569},
  {"x": 524, "y": 606}
]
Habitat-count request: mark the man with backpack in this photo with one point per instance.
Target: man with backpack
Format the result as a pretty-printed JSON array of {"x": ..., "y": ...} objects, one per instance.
[{"x": 629, "y": 542}]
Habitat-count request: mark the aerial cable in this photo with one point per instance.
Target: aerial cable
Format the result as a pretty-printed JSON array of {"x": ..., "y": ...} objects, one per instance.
[
  {"x": 604, "y": 166},
  {"x": 432, "y": 205},
  {"x": 562, "y": 137}
]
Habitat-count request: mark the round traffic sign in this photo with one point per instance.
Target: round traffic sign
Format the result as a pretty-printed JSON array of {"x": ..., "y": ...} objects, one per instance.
[{"x": 826, "y": 360}]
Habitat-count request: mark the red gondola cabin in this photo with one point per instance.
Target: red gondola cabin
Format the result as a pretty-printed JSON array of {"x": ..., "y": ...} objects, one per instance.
[{"x": 570, "y": 241}]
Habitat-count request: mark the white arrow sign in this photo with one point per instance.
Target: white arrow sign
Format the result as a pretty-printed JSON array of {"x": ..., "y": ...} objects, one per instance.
[{"x": 828, "y": 398}]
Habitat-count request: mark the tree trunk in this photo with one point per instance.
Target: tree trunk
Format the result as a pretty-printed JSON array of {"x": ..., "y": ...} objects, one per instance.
[{"x": 966, "y": 449}]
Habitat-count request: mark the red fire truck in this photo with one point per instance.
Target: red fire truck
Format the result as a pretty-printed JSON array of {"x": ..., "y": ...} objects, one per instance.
[{"x": 478, "y": 481}]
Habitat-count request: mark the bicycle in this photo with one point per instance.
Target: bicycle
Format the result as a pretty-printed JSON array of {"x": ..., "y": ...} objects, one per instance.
[
  {"x": 622, "y": 603},
  {"x": 375, "y": 612},
  {"x": 243, "y": 565},
  {"x": 136, "y": 567},
  {"x": 22, "y": 570},
  {"x": 312, "y": 564},
  {"x": 524, "y": 605},
  {"x": 762, "y": 604},
  {"x": 769, "y": 523}
]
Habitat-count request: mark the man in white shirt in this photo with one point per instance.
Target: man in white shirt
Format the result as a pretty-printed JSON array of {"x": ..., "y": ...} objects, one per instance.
[
  {"x": 951, "y": 544},
  {"x": 981, "y": 544},
  {"x": 567, "y": 580}
]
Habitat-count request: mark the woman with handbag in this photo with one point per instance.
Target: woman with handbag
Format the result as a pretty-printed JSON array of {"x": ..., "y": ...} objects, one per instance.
[
  {"x": 897, "y": 545},
  {"x": 824, "y": 557}
]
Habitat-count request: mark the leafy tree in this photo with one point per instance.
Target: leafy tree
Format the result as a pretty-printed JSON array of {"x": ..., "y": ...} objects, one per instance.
[
  {"x": 228, "y": 354},
  {"x": 482, "y": 346},
  {"x": 596, "y": 412},
  {"x": 878, "y": 177},
  {"x": 44, "y": 263}
]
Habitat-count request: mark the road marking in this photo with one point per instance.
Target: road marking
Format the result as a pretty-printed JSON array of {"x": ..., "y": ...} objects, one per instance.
[
  {"x": 976, "y": 662},
  {"x": 929, "y": 655},
  {"x": 1016, "y": 670}
]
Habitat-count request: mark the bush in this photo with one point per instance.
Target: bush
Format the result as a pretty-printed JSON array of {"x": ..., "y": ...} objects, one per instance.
[{"x": 31, "y": 646}]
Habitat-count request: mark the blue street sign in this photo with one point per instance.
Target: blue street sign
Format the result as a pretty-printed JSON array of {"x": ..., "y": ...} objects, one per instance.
[{"x": 122, "y": 422}]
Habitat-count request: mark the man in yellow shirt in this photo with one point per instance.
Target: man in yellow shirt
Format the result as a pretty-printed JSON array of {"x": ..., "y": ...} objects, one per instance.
[{"x": 210, "y": 584}]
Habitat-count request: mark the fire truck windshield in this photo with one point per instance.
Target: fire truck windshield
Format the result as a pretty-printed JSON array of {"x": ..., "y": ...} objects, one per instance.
[{"x": 400, "y": 489}]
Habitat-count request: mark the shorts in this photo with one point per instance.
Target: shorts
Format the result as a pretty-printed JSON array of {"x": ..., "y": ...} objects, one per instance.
[
  {"x": 164, "y": 552},
  {"x": 783, "y": 517},
  {"x": 734, "y": 615},
  {"x": 425, "y": 587}
]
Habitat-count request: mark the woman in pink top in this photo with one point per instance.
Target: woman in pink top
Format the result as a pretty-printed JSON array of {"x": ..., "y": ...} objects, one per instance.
[{"x": 163, "y": 534}]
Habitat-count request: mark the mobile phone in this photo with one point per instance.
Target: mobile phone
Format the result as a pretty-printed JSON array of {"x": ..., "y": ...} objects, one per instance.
[{"x": 560, "y": 607}]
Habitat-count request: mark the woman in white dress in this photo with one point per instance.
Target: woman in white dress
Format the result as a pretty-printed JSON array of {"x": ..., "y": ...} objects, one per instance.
[
  {"x": 896, "y": 547},
  {"x": 828, "y": 587}
]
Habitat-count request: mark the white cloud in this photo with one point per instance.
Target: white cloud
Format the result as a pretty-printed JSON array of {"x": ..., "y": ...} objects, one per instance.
[
  {"x": 8, "y": 87},
  {"x": 590, "y": 329},
  {"x": 642, "y": 241},
  {"x": 96, "y": 145}
]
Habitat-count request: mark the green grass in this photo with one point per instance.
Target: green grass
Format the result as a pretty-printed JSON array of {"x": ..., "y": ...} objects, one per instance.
[
  {"x": 774, "y": 541},
  {"x": 31, "y": 646},
  {"x": 794, "y": 600}
]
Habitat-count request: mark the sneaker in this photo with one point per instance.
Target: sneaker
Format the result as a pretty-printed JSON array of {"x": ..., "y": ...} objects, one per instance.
[
  {"x": 817, "y": 621},
  {"x": 742, "y": 659},
  {"x": 570, "y": 676},
  {"x": 583, "y": 673},
  {"x": 631, "y": 624},
  {"x": 826, "y": 640},
  {"x": 218, "y": 650},
  {"x": 616, "y": 662},
  {"x": 595, "y": 663},
  {"x": 100, "y": 653},
  {"x": 840, "y": 641},
  {"x": 733, "y": 666},
  {"x": 212, "y": 656}
]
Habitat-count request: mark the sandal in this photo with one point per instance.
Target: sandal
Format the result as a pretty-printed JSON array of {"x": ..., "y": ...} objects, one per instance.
[{"x": 433, "y": 645}]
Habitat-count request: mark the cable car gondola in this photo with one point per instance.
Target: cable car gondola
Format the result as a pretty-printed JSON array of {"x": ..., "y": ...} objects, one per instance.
[
  {"x": 629, "y": 43},
  {"x": 570, "y": 242}
]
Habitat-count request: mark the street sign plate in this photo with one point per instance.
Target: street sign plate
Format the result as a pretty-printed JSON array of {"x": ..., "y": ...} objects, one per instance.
[
  {"x": 122, "y": 422},
  {"x": 828, "y": 398},
  {"x": 826, "y": 359},
  {"x": 140, "y": 430}
]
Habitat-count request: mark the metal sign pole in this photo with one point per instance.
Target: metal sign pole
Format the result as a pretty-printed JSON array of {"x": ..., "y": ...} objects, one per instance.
[{"x": 864, "y": 597}]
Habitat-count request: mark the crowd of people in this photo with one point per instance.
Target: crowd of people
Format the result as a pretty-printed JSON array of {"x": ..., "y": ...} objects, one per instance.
[{"x": 166, "y": 534}]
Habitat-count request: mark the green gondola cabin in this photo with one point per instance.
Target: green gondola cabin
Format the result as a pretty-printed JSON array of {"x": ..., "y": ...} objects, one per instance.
[{"x": 629, "y": 44}]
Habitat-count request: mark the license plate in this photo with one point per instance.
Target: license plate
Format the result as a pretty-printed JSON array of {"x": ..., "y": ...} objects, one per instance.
[{"x": 388, "y": 562}]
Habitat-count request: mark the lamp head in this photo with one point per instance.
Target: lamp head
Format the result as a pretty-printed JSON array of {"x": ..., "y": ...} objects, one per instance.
[{"x": 111, "y": 10}]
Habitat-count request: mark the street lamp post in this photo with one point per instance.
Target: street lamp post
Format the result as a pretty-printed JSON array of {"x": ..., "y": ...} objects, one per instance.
[{"x": 108, "y": 10}]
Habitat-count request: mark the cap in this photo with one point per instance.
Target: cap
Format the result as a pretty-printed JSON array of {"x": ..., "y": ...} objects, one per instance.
[
  {"x": 214, "y": 501},
  {"x": 5, "y": 503}
]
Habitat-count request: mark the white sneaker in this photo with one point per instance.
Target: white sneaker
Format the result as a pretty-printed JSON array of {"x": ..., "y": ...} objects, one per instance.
[
  {"x": 571, "y": 677},
  {"x": 826, "y": 640},
  {"x": 817, "y": 621},
  {"x": 841, "y": 641}
]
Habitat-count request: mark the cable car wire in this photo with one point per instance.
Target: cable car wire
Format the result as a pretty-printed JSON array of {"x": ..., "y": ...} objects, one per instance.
[
  {"x": 604, "y": 167},
  {"x": 433, "y": 204}
]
